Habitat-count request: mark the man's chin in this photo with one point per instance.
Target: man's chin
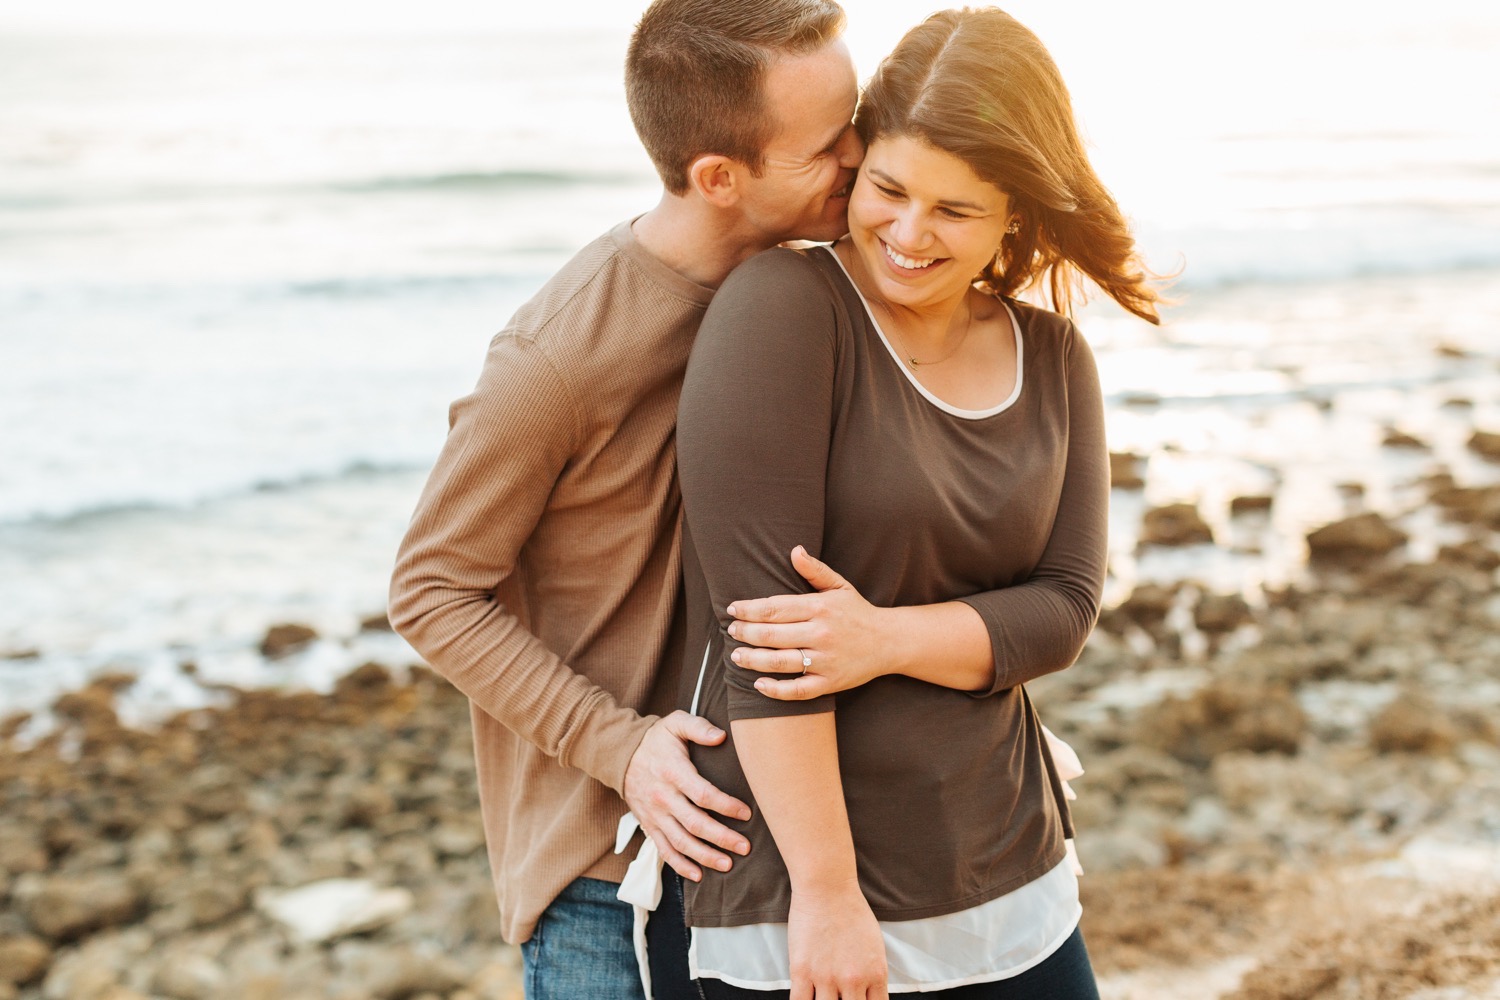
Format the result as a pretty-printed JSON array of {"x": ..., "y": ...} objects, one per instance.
[{"x": 825, "y": 232}]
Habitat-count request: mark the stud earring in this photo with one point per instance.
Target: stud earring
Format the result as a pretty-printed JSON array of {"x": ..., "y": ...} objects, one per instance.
[{"x": 1013, "y": 228}]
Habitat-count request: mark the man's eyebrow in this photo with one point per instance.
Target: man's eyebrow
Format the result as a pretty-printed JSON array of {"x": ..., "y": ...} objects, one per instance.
[
  {"x": 891, "y": 182},
  {"x": 828, "y": 148}
]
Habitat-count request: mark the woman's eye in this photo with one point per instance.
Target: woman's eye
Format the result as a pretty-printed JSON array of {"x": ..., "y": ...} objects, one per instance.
[{"x": 888, "y": 192}]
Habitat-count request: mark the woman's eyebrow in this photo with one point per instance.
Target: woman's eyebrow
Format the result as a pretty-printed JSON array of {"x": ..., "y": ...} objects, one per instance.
[{"x": 891, "y": 182}]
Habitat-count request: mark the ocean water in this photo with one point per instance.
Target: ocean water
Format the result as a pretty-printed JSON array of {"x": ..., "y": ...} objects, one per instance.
[{"x": 242, "y": 278}]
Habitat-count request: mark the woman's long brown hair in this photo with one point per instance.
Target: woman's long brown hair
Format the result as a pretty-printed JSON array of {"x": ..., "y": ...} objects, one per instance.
[{"x": 978, "y": 84}]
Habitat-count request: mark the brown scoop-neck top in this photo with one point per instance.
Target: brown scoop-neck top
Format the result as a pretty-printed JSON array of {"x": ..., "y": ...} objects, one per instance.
[{"x": 798, "y": 426}]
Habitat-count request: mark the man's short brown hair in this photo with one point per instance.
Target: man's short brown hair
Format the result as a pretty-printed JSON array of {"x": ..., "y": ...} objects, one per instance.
[{"x": 693, "y": 75}]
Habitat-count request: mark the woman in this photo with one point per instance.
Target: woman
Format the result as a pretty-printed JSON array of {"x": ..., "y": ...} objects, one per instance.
[{"x": 887, "y": 404}]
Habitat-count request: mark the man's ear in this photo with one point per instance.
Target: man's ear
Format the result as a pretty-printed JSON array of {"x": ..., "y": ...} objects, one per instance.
[{"x": 715, "y": 178}]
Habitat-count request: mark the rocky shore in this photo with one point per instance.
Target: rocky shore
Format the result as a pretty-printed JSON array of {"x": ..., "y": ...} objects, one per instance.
[
  {"x": 289, "y": 845},
  {"x": 1289, "y": 794}
]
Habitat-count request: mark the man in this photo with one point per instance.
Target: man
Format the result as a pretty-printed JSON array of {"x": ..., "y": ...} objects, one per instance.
[{"x": 540, "y": 570}]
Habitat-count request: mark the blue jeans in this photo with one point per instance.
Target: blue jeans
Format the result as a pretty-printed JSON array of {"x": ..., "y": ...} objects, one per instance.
[{"x": 582, "y": 948}]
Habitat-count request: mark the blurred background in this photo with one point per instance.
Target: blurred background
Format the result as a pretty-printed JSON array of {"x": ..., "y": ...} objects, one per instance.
[{"x": 249, "y": 254}]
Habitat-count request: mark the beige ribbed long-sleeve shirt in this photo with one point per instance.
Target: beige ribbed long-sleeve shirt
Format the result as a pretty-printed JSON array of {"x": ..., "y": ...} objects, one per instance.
[{"x": 540, "y": 573}]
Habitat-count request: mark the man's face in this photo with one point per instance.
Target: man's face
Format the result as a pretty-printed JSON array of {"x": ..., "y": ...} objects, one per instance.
[{"x": 811, "y": 159}]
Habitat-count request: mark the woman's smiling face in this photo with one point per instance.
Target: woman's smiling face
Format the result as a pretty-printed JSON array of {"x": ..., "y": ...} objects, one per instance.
[{"x": 924, "y": 224}]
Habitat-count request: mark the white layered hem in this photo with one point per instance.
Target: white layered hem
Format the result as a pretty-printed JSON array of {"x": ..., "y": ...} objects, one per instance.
[
  {"x": 985, "y": 943},
  {"x": 989, "y": 942}
]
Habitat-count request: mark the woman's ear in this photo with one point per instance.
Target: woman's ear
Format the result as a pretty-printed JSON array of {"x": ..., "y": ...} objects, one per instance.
[{"x": 715, "y": 178}]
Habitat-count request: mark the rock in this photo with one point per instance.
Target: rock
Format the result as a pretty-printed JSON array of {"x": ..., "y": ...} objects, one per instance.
[
  {"x": 21, "y": 851},
  {"x": 1470, "y": 504},
  {"x": 1147, "y": 607},
  {"x": 1136, "y": 776},
  {"x": 189, "y": 977},
  {"x": 1219, "y": 613},
  {"x": 1412, "y": 724},
  {"x": 1125, "y": 471},
  {"x": 114, "y": 681},
  {"x": 401, "y": 972},
  {"x": 1143, "y": 400},
  {"x": 366, "y": 805},
  {"x": 64, "y": 909},
  {"x": 284, "y": 640},
  {"x": 334, "y": 908},
  {"x": 12, "y": 724},
  {"x": 1175, "y": 524},
  {"x": 23, "y": 959},
  {"x": 1451, "y": 351},
  {"x": 1206, "y": 821},
  {"x": 454, "y": 840},
  {"x": 1223, "y": 716},
  {"x": 498, "y": 980},
  {"x": 363, "y": 681},
  {"x": 1355, "y": 539},
  {"x": 376, "y": 623},
  {"x": 28, "y": 653},
  {"x": 1486, "y": 444},
  {"x": 91, "y": 705},
  {"x": 201, "y": 900},
  {"x": 1400, "y": 439},
  {"x": 1249, "y": 505},
  {"x": 81, "y": 981},
  {"x": 1120, "y": 850},
  {"x": 99, "y": 967},
  {"x": 1473, "y": 553}
]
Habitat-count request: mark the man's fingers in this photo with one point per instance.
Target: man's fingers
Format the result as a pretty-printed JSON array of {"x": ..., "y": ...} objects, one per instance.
[
  {"x": 680, "y": 863},
  {"x": 770, "y": 661},
  {"x": 705, "y": 828},
  {"x": 693, "y": 728},
  {"x": 776, "y": 610},
  {"x": 685, "y": 843},
  {"x": 815, "y": 571},
  {"x": 793, "y": 688},
  {"x": 707, "y": 795}
]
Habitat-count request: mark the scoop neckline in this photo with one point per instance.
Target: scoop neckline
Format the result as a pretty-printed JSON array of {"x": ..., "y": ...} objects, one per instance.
[{"x": 928, "y": 394}]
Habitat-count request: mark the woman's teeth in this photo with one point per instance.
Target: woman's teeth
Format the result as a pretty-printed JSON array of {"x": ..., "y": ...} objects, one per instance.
[{"x": 908, "y": 263}]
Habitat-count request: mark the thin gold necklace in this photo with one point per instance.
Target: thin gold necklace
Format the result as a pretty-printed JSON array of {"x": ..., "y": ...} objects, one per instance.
[{"x": 911, "y": 359}]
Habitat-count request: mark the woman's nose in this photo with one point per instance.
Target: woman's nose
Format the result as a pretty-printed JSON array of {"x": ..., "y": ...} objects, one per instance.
[{"x": 910, "y": 229}]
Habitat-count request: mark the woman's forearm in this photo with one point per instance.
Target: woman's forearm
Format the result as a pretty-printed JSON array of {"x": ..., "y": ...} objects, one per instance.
[
  {"x": 945, "y": 644},
  {"x": 834, "y": 942},
  {"x": 792, "y": 765}
]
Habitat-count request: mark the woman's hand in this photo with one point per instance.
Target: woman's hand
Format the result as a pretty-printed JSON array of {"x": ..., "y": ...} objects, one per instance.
[
  {"x": 835, "y": 946},
  {"x": 834, "y": 640},
  {"x": 836, "y": 629}
]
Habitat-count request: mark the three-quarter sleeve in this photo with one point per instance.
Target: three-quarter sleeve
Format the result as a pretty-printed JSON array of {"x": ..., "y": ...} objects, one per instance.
[
  {"x": 754, "y": 425},
  {"x": 1039, "y": 626}
]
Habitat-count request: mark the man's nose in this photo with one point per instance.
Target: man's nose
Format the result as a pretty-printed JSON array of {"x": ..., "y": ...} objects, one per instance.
[{"x": 851, "y": 149}]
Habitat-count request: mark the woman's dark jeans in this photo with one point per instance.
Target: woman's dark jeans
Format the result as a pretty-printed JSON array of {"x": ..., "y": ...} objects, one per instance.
[{"x": 1065, "y": 975}]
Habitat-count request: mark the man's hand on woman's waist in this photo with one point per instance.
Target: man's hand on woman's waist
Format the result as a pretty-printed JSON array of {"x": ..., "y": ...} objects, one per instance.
[{"x": 672, "y": 801}]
